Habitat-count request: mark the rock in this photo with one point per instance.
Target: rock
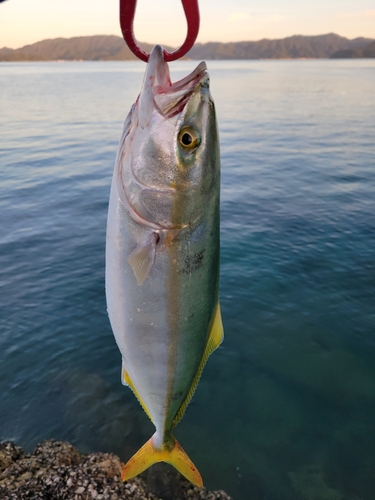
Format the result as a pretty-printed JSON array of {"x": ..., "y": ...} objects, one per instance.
[
  {"x": 8, "y": 454},
  {"x": 57, "y": 470}
]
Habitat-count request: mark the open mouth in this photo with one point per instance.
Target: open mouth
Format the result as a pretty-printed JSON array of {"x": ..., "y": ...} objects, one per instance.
[{"x": 172, "y": 98}]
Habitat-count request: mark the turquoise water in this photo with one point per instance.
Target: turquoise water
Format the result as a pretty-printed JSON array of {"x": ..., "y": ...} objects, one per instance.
[{"x": 286, "y": 407}]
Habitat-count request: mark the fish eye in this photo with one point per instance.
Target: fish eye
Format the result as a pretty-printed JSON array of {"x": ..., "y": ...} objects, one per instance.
[{"x": 188, "y": 138}]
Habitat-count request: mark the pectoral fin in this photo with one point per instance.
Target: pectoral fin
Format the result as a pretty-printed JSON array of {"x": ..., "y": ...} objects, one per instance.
[
  {"x": 142, "y": 258},
  {"x": 215, "y": 338}
]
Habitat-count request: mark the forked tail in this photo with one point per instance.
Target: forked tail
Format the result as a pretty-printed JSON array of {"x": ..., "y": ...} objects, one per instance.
[{"x": 171, "y": 452}]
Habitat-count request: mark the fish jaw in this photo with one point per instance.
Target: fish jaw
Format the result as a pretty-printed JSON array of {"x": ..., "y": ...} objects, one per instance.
[
  {"x": 158, "y": 93},
  {"x": 156, "y": 76}
]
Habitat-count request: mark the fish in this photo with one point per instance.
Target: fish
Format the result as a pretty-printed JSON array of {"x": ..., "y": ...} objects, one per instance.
[{"x": 162, "y": 253}]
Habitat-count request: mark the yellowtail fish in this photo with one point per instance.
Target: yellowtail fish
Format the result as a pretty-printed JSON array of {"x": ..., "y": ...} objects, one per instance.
[{"x": 162, "y": 255}]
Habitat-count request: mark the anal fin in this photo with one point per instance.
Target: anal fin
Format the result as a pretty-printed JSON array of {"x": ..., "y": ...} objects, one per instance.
[
  {"x": 124, "y": 375},
  {"x": 215, "y": 338},
  {"x": 126, "y": 380}
]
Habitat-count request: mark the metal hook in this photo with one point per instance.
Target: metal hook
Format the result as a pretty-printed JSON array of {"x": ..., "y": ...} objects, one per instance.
[{"x": 127, "y": 12}]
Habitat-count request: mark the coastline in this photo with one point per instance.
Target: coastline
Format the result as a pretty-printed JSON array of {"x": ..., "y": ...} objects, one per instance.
[{"x": 57, "y": 470}]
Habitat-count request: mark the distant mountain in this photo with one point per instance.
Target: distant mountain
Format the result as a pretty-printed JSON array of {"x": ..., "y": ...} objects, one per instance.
[
  {"x": 113, "y": 48},
  {"x": 87, "y": 48},
  {"x": 298, "y": 46},
  {"x": 367, "y": 51}
]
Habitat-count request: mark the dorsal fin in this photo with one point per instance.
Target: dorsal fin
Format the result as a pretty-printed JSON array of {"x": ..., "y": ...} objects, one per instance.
[{"x": 215, "y": 338}]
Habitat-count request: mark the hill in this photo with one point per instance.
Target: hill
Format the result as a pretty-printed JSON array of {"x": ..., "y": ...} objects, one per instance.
[
  {"x": 87, "y": 48},
  {"x": 367, "y": 51},
  {"x": 298, "y": 46},
  {"x": 113, "y": 48}
]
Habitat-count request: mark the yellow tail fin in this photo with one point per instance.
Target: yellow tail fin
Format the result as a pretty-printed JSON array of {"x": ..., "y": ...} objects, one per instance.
[{"x": 172, "y": 453}]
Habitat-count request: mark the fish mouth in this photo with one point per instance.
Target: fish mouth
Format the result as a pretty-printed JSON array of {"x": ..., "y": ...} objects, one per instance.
[{"x": 171, "y": 98}]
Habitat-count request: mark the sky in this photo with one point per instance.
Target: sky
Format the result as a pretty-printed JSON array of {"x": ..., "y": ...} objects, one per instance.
[{"x": 162, "y": 21}]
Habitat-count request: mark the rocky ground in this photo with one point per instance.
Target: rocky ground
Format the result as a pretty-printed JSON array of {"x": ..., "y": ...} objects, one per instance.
[{"x": 57, "y": 471}]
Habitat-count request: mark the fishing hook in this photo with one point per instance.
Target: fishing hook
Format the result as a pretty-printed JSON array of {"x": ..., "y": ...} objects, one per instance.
[{"x": 127, "y": 12}]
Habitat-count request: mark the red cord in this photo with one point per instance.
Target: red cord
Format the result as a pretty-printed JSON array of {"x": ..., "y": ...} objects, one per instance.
[{"x": 127, "y": 12}]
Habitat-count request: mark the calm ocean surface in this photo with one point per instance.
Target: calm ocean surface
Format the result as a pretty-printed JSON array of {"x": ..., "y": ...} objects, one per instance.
[{"x": 285, "y": 409}]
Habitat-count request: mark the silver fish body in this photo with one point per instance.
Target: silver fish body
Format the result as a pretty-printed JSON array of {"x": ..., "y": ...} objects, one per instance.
[{"x": 162, "y": 252}]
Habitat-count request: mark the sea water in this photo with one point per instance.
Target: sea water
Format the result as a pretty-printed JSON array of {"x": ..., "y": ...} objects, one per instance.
[{"x": 285, "y": 408}]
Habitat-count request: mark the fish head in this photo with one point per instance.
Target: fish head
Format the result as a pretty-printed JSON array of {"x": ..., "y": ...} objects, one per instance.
[{"x": 171, "y": 152}]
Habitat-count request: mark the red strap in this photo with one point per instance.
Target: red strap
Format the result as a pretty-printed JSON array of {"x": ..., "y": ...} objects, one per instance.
[{"x": 127, "y": 12}]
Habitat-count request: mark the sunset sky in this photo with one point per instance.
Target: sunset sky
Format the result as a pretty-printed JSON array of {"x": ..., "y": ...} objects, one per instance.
[{"x": 162, "y": 21}]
